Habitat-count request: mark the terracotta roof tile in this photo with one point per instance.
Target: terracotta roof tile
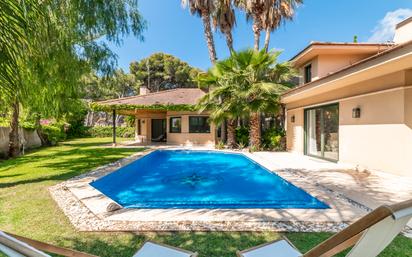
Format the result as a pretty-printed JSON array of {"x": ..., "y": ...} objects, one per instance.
[{"x": 166, "y": 97}]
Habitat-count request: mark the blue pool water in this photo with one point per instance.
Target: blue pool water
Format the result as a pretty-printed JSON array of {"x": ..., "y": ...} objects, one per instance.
[{"x": 201, "y": 179}]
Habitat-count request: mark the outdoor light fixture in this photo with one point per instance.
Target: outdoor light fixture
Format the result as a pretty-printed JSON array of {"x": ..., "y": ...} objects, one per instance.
[
  {"x": 292, "y": 119},
  {"x": 356, "y": 113}
]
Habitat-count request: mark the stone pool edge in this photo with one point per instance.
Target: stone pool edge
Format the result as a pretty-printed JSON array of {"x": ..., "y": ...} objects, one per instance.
[{"x": 85, "y": 208}]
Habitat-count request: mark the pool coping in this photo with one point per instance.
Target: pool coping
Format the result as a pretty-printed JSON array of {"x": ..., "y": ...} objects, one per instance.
[{"x": 86, "y": 207}]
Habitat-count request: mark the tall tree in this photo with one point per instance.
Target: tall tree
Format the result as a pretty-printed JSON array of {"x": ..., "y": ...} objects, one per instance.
[
  {"x": 254, "y": 10},
  {"x": 162, "y": 71},
  {"x": 117, "y": 85},
  {"x": 58, "y": 46},
  {"x": 277, "y": 12},
  {"x": 224, "y": 18},
  {"x": 222, "y": 101},
  {"x": 204, "y": 9},
  {"x": 15, "y": 25},
  {"x": 267, "y": 15}
]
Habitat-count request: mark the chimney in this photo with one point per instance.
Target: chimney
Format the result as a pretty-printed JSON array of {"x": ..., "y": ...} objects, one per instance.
[
  {"x": 403, "y": 32},
  {"x": 143, "y": 90}
]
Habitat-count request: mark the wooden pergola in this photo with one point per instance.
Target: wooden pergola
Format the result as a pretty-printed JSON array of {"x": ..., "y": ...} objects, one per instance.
[{"x": 150, "y": 105}]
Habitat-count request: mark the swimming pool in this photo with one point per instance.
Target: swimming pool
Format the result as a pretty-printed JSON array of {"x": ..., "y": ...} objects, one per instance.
[{"x": 201, "y": 179}]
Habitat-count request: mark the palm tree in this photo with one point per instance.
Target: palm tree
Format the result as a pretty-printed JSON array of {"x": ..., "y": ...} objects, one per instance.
[
  {"x": 224, "y": 19},
  {"x": 250, "y": 82},
  {"x": 254, "y": 10},
  {"x": 260, "y": 81},
  {"x": 277, "y": 12},
  {"x": 204, "y": 9},
  {"x": 221, "y": 100},
  {"x": 267, "y": 15}
]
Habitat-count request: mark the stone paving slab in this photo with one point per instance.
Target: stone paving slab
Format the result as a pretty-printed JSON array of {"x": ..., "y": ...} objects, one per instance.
[{"x": 368, "y": 188}]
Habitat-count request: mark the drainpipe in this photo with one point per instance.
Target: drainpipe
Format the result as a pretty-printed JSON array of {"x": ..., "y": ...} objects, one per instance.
[{"x": 114, "y": 127}]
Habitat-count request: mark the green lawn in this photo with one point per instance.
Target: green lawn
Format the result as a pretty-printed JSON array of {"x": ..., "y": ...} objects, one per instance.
[{"x": 27, "y": 209}]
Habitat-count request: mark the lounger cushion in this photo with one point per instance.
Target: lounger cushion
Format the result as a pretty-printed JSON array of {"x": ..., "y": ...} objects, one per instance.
[
  {"x": 280, "y": 248},
  {"x": 150, "y": 249}
]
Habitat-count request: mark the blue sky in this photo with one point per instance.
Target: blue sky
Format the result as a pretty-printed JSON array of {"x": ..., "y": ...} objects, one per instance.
[{"x": 171, "y": 29}]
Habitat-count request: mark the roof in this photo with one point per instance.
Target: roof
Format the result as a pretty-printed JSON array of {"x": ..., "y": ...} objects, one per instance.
[
  {"x": 315, "y": 48},
  {"x": 178, "y": 96},
  {"x": 392, "y": 53},
  {"x": 402, "y": 23}
]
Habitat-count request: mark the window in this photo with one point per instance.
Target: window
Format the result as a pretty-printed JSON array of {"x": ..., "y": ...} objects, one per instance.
[
  {"x": 308, "y": 73},
  {"x": 175, "y": 125},
  {"x": 322, "y": 131},
  {"x": 199, "y": 124}
]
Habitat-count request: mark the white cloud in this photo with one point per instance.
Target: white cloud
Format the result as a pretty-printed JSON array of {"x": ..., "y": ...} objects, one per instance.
[{"x": 385, "y": 29}]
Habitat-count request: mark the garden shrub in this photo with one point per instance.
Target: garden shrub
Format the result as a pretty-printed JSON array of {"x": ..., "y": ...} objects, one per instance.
[
  {"x": 28, "y": 125},
  {"x": 76, "y": 118},
  {"x": 78, "y": 131},
  {"x": 242, "y": 136},
  {"x": 52, "y": 134},
  {"x": 107, "y": 131},
  {"x": 274, "y": 139},
  {"x": 220, "y": 145}
]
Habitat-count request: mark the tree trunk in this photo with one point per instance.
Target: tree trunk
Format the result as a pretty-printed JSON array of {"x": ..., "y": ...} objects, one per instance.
[
  {"x": 229, "y": 41},
  {"x": 256, "y": 33},
  {"x": 223, "y": 131},
  {"x": 267, "y": 39},
  {"x": 231, "y": 133},
  {"x": 14, "y": 140},
  {"x": 43, "y": 138},
  {"x": 209, "y": 36},
  {"x": 254, "y": 138}
]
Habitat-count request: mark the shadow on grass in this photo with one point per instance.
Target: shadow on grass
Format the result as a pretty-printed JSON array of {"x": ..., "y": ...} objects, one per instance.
[
  {"x": 207, "y": 244},
  {"x": 61, "y": 164},
  {"x": 11, "y": 175},
  {"x": 79, "y": 143}
]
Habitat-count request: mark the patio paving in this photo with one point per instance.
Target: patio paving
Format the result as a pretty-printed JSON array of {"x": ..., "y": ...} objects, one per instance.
[{"x": 370, "y": 188}]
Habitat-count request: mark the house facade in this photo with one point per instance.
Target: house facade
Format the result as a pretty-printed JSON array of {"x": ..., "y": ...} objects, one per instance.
[
  {"x": 353, "y": 104},
  {"x": 166, "y": 116}
]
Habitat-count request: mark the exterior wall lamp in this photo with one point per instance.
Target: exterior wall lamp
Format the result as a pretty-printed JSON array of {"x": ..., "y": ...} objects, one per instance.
[
  {"x": 292, "y": 119},
  {"x": 356, "y": 112}
]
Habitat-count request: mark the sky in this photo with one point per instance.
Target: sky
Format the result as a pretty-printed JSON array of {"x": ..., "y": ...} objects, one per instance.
[{"x": 171, "y": 29}]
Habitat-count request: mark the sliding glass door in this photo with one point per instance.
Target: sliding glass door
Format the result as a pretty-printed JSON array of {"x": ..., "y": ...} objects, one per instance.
[{"x": 322, "y": 132}]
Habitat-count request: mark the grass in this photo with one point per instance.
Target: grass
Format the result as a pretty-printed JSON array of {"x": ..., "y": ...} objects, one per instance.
[{"x": 27, "y": 209}]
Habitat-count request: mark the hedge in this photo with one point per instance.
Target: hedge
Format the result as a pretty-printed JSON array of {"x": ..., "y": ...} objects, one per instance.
[{"x": 107, "y": 131}]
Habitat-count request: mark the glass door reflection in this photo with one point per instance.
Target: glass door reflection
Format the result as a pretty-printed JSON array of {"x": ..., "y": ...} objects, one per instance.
[{"x": 322, "y": 132}]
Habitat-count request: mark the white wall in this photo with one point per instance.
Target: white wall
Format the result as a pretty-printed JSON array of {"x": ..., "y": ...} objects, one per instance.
[
  {"x": 31, "y": 139},
  {"x": 403, "y": 33},
  {"x": 381, "y": 139}
]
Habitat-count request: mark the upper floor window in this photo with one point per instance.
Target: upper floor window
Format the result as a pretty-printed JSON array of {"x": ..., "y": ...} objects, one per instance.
[
  {"x": 199, "y": 124},
  {"x": 175, "y": 125},
  {"x": 308, "y": 73}
]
